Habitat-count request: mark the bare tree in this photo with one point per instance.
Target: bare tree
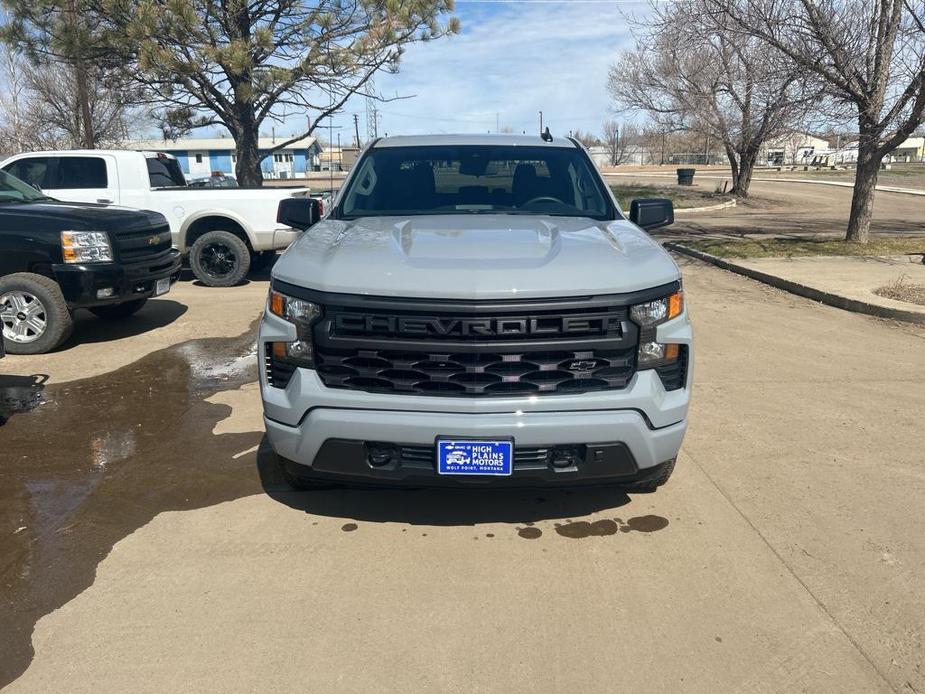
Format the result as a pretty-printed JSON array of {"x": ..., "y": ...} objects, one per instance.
[
  {"x": 869, "y": 54},
  {"x": 40, "y": 109},
  {"x": 693, "y": 72},
  {"x": 588, "y": 139},
  {"x": 618, "y": 139}
]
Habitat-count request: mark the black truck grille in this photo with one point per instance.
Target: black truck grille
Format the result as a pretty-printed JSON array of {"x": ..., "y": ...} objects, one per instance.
[
  {"x": 140, "y": 245},
  {"x": 476, "y": 349}
]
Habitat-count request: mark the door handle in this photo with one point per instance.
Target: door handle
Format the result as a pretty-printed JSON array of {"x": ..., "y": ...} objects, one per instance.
[{"x": 105, "y": 201}]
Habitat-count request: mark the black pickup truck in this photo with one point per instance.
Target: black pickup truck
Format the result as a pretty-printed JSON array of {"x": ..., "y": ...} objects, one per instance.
[{"x": 57, "y": 257}]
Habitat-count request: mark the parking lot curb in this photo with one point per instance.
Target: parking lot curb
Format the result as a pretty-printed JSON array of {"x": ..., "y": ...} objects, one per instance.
[
  {"x": 709, "y": 208},
  {"x": 803, "y": 290}
]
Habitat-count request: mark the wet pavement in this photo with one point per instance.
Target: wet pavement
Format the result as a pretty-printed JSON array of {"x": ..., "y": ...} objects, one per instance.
[{"x": 87, "y": 462}]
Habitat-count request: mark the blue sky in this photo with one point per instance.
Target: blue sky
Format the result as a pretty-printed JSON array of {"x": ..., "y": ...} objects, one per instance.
[{"x": 512, "y": 59}]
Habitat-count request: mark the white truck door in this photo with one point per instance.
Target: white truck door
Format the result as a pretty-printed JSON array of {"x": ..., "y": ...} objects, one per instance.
[{"x": 85, "y": 178}]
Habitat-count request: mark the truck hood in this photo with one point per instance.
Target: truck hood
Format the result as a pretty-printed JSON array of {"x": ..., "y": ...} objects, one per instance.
[
  {"x": 475, "y": 257},
  {"x": 83, "y": 216}
]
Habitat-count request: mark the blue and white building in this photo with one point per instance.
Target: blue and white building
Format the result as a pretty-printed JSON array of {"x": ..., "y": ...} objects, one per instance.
[{"x": 200, "y": 157}]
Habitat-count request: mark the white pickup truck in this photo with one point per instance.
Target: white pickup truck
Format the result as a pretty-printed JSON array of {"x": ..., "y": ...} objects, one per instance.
[{"x": 224, "y": 231}]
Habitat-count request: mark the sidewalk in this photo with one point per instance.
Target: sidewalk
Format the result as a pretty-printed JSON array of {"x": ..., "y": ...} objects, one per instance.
[{"x": 844, "y": 282}]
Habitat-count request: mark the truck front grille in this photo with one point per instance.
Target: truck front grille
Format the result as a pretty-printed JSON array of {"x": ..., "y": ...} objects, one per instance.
[
  {"x": 471, "y": 349},
  {"x": 140, "y": 245}
]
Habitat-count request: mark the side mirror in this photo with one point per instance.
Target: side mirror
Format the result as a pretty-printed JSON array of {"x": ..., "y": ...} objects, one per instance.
[
  {"x": 298, "y": 213},
  {"x": 652, "y": 213}
]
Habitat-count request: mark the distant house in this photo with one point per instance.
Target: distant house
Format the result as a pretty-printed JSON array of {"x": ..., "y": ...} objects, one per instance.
[
  {"x": 793, "y": 148},
  {"x": 200, "y": 157},
  {"x": 911, "y": 150},
  {"x": 634, "y": 155}
]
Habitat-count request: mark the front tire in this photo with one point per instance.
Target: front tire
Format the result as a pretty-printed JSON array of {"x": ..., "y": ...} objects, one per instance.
[
  {"x": 220, "y": 259},
  {"x": 651, "y": 485},
  {"x": 118, "y": 311},
  {"x": 33, "y": 313},
  {"x": 299, "y": 482}
]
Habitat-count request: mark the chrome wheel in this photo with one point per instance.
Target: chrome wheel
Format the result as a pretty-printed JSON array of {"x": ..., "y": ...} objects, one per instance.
[{"x": 23, "y": 317}]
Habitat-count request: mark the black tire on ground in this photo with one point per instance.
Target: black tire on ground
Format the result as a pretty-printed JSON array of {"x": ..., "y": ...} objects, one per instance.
[
  {"x": 652, "y": 485},
  {"x": 300, "y": 482},
  {"x": 262, "y": 260},
  {"x": 117, "y": 311},
  {"x": 42, "y": 304},
  {"x": 220, "y": 259}
]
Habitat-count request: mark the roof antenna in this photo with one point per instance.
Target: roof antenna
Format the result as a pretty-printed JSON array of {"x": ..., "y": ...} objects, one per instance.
[{"x": 546, "y": 135}]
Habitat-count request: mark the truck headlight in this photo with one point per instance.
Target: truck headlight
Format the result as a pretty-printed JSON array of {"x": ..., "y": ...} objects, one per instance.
[
  {"x": 650, "y": 315},
  {"x": 301, "y": 313},
  {"x": 656, "y": 312},
  {"x": 86, "y": 247}
]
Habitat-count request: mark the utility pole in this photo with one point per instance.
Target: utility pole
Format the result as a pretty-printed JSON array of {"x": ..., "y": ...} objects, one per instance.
[
  {"x": 356, "y": 127},
  {"x": 497, "y": 123},
  {"x": 541, "y": 121},
  {"x": 372, "y": 113}
]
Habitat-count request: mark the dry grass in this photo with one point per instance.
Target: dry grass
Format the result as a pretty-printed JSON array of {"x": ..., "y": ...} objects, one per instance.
[
  {"x": 680, "y": 196},
  {"x": 901, "y": 289},
  {"x": 808, "y": 246}
]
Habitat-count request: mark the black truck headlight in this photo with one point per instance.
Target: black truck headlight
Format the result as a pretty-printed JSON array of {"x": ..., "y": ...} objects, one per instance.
[
  {"x": 650, "y": 315},
  {"x": 86, "y": 247},
  {"x": 301, "y": 313}
]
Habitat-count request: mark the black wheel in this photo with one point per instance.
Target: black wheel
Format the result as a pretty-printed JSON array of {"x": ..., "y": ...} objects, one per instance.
[
  {"x": 263, "y": 260},
  {"x": 33, "y": 313},
  {"x": 652, "y": 485},
  {"x": 300, "y": 482},
  {"x": 220, "y": 259},
  {"x": 116, "y": 311}
]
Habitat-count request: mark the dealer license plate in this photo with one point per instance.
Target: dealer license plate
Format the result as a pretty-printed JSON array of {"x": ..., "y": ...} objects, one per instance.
[{"x": 470, "y": 457}]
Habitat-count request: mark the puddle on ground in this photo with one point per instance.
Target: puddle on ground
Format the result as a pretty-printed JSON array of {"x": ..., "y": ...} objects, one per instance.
[
  {"x": 577, "y": 530},
  {"x": 20, "y": 394},
  {"x": 86, "y": 463}
]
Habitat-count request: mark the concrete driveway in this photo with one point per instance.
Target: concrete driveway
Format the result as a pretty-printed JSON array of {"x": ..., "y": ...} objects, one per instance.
[{"x": 146, "y": 537}]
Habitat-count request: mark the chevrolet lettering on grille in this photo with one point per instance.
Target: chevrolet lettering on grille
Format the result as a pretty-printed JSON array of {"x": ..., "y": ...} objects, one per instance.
[{"x": 427, "y": 326}]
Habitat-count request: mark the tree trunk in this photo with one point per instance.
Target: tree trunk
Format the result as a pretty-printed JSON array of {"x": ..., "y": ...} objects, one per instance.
[
  {"x": 87, "y": 135},
  {"x": 747, "y": 161},
  {"x": 247, "y": 170},
  {"x": 733, "y": 158},
  {"x": 865, "y": 186},
  {"x": 83, "y": 97}
]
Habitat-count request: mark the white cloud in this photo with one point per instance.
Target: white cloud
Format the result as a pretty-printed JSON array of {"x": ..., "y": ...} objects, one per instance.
[{"x": 510, "y": 59}]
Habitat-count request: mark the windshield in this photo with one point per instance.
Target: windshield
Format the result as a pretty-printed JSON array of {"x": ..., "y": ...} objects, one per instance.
[
  {"x": 393, "y": 181},
  {"x": 14, "y": 190}
]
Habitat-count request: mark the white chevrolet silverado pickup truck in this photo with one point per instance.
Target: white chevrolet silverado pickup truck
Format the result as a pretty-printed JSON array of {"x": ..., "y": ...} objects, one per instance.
[{"x": 223, "y": 231}]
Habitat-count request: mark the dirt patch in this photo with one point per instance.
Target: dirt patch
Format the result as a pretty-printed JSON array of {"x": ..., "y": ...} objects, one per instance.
[{"x": 902, "y": 289}]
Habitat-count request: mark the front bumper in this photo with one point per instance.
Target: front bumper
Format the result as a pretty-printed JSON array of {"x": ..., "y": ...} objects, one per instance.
[
  {"x": 80, "y": 282},
  {"x": 323, "y": 432}
]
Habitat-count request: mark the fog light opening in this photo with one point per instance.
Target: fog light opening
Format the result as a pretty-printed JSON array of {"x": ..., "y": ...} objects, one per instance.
[
  {"x": 565, "y": 457},
  {"x": 380, "y": 455}
]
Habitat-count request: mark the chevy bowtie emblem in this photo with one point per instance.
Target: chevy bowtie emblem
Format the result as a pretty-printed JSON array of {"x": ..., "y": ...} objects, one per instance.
[
  {"x": 154, "y": 240},
  {"x": 583, "y": 365}
]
